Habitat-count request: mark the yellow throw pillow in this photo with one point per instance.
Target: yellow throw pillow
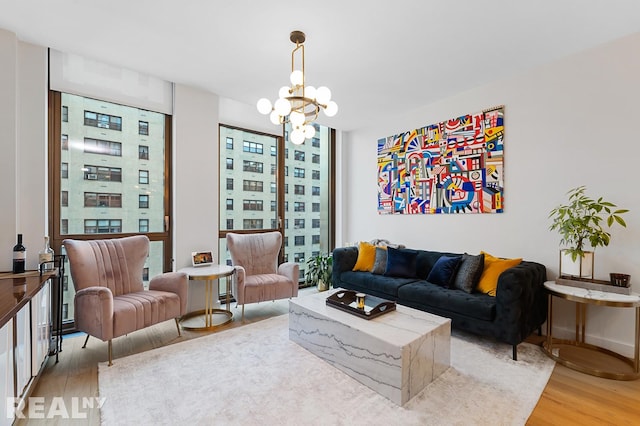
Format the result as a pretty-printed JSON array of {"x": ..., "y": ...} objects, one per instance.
[
  {"x": 493, "y": 267},
  {"x": 366, "y": 257}
]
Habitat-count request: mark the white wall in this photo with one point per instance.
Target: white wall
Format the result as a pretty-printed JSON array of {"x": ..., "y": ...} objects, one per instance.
[
  {"x": 567, "y": 124},
  {"x": 23, "y": 128}
]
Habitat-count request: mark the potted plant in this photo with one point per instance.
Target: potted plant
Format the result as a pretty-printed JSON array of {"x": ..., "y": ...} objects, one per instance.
[
  {"x": 319, "y": 271},
  {"x": 583, "y": 223}
]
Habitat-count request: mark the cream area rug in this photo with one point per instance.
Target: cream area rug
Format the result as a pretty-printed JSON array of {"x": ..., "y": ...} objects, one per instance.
[{"x": 255, "y": 375}]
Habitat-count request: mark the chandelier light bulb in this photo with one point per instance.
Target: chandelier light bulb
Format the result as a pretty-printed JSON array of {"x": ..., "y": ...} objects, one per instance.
[
  {"x": 297, "y": 78},
  {"x": 284, "y": 92},
  {"x": 309, "y": 131},
  {"x": 282, "y": 106},
  {"x": 331, "y": 109},
  {"x": 297, "y": 137},
  {"x": 323, "y": 95},
  {"x": 296, "y": 118},
  {"x": 310, "y": 92},
  {"x": 275, "y": 117},
  {"x": 264, "y": 106}
]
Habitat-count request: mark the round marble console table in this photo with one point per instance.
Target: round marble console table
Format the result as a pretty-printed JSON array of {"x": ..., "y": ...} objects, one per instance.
[
  {"x": 579, "y": 355},
  {"x": 209, "y": 274}
]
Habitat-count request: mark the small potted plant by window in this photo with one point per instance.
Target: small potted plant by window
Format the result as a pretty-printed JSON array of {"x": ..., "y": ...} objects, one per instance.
[
  {"x": 582, "y": 223},
  {"x": 319, "y": 271}
]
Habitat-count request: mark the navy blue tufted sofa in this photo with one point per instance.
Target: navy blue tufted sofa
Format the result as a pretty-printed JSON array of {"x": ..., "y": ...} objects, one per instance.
[{"x": 518, "y": 309}]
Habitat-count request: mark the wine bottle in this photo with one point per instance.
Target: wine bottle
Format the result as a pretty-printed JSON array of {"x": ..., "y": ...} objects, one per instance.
[
  {"x": 19, "y": 256},
  {"x": 45, "y": 256}
]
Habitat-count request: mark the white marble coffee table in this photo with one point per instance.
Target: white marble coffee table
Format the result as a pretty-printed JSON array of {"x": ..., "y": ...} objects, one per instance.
[{"x": 396, "y": 354}]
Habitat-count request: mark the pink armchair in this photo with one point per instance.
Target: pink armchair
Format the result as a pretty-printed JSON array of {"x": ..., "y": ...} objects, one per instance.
[
  {"x": 110, "y": 299},
  {"x": 258, "y": 276}
]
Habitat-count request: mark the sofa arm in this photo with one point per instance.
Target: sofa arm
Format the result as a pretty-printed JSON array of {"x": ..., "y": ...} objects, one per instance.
[
  {"x": 237, "y": 284},
  {"x": 173, "y": 282},
  {"x": 344, "y": 259},
  {"x": 521, "y": 300},
  {"x": 93, "y": 312},
  {"x": 291, "y": 270}
]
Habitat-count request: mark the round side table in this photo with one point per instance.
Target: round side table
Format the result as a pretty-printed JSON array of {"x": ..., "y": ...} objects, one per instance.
[
  {"x": 559, "y": 349},
  {"x": 209, "y": 274}
]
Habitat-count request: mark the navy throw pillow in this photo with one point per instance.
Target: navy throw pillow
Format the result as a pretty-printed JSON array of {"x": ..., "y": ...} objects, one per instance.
[
  {"x": 401, "y": 263},
  {"x": 444, "y": 270}
]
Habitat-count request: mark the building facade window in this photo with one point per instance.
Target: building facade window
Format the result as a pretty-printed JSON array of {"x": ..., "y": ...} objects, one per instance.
[
  {"x": 103, "y": 121},
  {"x": 64, "y": 198},
  {"x": 315, "y": 239},
  {"x": 252, "y": 185},
  {"x": 315, "y": 174},
  {"x": 64, "y": 226},
  {"x": 145, "y": 274},
  {"x": 229, "y": 163},
  {"x": 229, "y": 143},
  {"x": 143, "y": 225},
  {"x": 298, "y": 155},
  {"x": 315, "y": 223},
  {"x": 252, "y": 224},
  {"x": 143, "y": 152},
  {"x": 315, "y": 190},
  {"x": 97, "y": 199},
  {"x": 315, "y": 207},
  {"x": 298, "y": 223},
  {"x": 253, "y": 147},
  {"x": 315, "y": 158},
  {"x": 252, "y": 166},
  {"x": 64, "y": 142},
  {"x": 298, "y": 172},
  {"x": 64, "y": 170},
  {"x": 298, "y": 257},
  {"x": 143, "y": 201},
  {"x": 143, "y": 177},
  {"x": 298, "y": 206},
  {"x": 102, "y": 147},
  {"x": 298, "y": 240},
  {"x": 102, "y": 226},
  {"x": 106, "y": 174},
  {"x": 143, "y": 128},
  {"x": 252, "y": 205},
  {"x": 229, "y": 184},
  {"x": 298, "y": 189},
  {"x": 229, "y": 223},
  {"x": 65, "y": 114},
  {"x": 229, "y": 204}
]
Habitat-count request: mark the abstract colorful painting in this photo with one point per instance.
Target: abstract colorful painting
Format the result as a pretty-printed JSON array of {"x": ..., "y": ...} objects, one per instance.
[{"x": 455, "y": 166}]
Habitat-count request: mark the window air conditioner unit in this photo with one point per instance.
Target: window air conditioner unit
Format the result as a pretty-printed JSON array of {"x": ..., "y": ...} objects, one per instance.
[{"x": 92, "y": 176}]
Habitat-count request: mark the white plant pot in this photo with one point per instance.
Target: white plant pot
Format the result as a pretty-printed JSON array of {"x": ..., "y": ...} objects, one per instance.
[
  {"x": 322, "y": 286},
  {"x": 582, "y": 267}
]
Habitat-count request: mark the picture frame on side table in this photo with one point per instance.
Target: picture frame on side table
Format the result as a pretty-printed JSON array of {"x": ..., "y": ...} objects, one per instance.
[{"x": 202, "y": 258}]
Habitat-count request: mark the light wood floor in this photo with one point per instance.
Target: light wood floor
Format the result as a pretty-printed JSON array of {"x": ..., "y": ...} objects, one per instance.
[{"x": 570, "y": 397}]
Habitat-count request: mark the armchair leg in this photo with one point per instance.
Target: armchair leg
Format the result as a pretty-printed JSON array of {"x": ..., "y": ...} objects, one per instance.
[
  {"x": 110, "y": 354},
  {"x": 85, "y": 342},
  {"x": 178, "y": 326},
  {"x": 243, "y": 312}
]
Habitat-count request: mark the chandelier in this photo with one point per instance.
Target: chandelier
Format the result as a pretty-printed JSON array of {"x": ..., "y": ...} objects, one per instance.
[{"x": 299, "y": 104}]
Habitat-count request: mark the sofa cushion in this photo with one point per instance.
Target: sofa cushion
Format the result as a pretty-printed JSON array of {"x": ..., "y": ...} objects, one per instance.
[
  {"x": 375, "y": 285},
  {"x": 428, "y": 295},
  {"x": 366, "y": 257},
  {"x": 401, "y": 263},
  {"x": 493, "y": 267},
  {"x": 469, "y": 272},
  {"x": 380, "y": 264},
  {"x": 444, "y": 271}
]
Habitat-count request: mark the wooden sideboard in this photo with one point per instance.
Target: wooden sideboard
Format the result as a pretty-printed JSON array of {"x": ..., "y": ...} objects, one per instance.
[{"x": 25, "y": 333}]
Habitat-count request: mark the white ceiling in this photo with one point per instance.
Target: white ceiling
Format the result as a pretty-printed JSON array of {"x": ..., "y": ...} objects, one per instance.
[{"x": 378, "y": 57}]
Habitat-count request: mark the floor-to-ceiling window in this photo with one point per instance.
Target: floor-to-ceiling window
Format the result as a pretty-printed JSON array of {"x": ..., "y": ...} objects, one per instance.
[
  {"x": 267, "y": 183},
  {"x": 109, "y": 177}
]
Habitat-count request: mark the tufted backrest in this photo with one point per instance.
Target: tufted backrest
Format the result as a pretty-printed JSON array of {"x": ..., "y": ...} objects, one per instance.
[
  {"x": 116, "y": 263},
  {"x": 257, "y": 253}
]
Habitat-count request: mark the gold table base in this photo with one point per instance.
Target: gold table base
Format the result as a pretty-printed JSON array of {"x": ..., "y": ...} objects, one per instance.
[{"x": 208, "y": 319}]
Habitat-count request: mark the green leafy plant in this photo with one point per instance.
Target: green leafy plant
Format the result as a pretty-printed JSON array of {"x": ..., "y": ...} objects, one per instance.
[
  {"x": 319, "y": 268},
  {"x": 582, "y": 220}
]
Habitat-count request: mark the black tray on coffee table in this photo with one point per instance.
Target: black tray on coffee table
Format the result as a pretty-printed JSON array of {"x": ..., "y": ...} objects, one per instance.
[{"x": 373, "y": 306}]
